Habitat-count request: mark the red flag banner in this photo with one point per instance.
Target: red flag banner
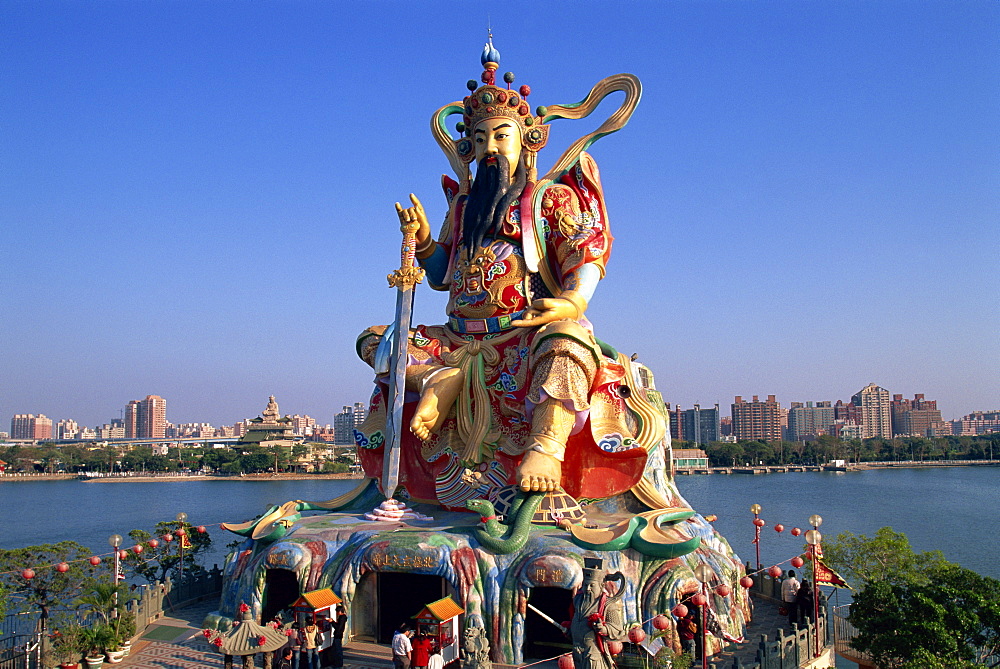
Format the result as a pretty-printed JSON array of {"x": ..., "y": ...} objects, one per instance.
[{"x": 828, "y": 576}]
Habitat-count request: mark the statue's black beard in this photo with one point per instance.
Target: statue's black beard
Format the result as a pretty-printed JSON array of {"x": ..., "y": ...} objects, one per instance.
[{"x": 490, "y": 197}]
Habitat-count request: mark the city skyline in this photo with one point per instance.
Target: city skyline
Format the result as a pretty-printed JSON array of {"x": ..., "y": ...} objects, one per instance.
[
  {"x": 672, "y": 407},
  {"x": 202, "y": 205}
]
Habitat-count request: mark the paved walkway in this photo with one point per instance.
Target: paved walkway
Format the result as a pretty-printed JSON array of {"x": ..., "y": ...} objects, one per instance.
[{"x": 175, "y": 642}]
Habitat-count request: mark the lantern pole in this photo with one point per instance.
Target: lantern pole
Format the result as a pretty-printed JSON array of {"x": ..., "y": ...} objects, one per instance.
[
  {"x": 181, "y": 518},
  {"x": 115, "y": 540},
  {"x": 814, "y": 539},
  {"x": 757, "y": 524},
  {"x": 704, "y": 574}
]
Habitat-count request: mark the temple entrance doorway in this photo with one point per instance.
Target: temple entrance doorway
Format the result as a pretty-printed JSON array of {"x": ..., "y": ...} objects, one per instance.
[
  {"x": 542, "y": 638},
  {"x": 400, "y": 596},
  {"x": 281, "y": 589}
]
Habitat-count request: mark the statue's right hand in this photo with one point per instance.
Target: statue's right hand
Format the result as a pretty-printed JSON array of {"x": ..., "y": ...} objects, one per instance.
[{"x": 414, "y": 215}]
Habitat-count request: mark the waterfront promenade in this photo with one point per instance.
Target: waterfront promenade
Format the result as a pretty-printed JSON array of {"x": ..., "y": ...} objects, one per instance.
[{"x": 176, "y": 642}]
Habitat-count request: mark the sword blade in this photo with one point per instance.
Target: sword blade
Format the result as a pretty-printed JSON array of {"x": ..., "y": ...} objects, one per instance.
[
  {"x": 546, "y": 617},
  {"x": 397, "y": 391}
]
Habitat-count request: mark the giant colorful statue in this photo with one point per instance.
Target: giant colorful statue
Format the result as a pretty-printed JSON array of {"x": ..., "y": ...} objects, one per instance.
[
  {"x": 515, "y": 388},
  {"x": 512, "y": 409}
]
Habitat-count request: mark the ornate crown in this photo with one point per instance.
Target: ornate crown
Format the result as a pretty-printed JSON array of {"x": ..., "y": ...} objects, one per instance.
[{"x": 489, "y": 100}]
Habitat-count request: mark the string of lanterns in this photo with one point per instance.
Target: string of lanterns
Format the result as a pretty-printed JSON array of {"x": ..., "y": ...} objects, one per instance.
[{"x": 94, "y": 560}]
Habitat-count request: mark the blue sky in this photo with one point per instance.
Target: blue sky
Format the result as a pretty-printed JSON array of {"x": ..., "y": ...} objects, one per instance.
[{"x": 198, "y": 196}]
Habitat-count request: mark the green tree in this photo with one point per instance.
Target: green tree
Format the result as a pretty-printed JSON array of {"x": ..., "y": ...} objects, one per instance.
[
  {"x": 887, "y": 556},
  {"x": 910, "y": 606},
  {"x": 49, "y": 586},
  {"x": 952, "y": 614},
  {"x": 155, "y": 563}
]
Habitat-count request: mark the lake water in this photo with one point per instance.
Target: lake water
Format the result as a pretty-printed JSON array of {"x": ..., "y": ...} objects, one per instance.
[{"x": 948, "y": 508}]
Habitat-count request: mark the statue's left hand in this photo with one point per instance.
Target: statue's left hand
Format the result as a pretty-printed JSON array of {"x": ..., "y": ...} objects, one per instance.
[{"x": 547, "y": 310}]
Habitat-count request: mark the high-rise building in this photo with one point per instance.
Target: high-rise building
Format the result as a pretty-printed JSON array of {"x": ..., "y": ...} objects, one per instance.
[
  {"x": 676, "y": 415},
  {"x": 700, "y": 425},
  {"x": 67, "y": 428},
  {"x": 146, "y": 419},
  {"x": 132, "y": 419},
  {"x": 757, "y": 420},
  {"x": 809, "y": 421},
  {"x": 977, "y": 422},
  {"x": 30, "y": 426},
  {"x": 344, "y": 423},
  {"x": 916, "y": 418},
  {"x": 875, "y": 410}
]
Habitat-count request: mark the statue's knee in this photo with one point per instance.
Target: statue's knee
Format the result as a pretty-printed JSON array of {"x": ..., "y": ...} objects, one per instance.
[{"x": 368, "y": 342}]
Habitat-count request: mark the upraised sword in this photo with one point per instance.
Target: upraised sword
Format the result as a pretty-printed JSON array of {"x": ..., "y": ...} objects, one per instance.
[{"x": 394, "y": 343}]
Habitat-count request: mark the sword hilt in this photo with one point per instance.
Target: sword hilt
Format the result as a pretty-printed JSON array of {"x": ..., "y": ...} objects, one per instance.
[{"x": 408, "y": 274}]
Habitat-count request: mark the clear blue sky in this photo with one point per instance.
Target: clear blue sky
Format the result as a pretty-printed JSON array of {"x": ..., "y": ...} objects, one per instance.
[{"x": 197, "y": 197}]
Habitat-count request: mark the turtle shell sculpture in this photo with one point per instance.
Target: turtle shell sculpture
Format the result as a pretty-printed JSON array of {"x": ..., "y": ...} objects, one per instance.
[{"x": 554, "y": 507}]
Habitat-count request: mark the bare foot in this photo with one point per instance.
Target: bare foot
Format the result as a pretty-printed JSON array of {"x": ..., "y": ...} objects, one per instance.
[
  {"x": 435, "y": 402},
  {"x": 539, "y": 472}
]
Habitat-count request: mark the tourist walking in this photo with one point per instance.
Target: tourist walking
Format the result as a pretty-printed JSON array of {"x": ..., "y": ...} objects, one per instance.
[
  {"x": 401, "y": 647},
  {"x": 789, "y": 592}
]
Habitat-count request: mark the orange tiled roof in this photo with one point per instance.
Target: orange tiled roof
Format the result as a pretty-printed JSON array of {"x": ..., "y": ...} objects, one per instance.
[
  {"x": 318, "y": 599},
  {"x": 441, "y": 610}
]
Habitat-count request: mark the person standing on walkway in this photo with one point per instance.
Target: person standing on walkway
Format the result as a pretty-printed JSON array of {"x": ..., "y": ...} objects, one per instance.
[
  {"x": 337, "y": 637},
  {"x": 688, "y": 630},
  {"x": 805, "y": 601},
  {"x": 309, "y": 654},
  {"x": 401, "y": 647},
  {"x": 421, "y": 651},
  {"x": 789, "y": 592},
  {"x": 435, "y": 661}
]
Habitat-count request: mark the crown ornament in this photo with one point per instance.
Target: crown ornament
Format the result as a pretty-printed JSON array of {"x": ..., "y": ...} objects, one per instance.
[{"x": 490, "y": 101}]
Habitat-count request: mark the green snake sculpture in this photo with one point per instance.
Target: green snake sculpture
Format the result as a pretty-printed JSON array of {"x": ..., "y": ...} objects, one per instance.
[
  {"x": 654, "y": 533},
  {"x": 503, "y": 539}
]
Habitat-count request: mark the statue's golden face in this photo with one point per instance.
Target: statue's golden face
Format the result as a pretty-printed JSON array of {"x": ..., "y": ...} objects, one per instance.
[{"x": 498, "y": 136}]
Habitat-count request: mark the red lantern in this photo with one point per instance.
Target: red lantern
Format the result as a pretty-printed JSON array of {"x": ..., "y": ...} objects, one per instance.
[
  {"x": 261, "y": 640},
  {"x": 137, "y": 549},
  {"x": 28, "y": 574},
  {"x": 217, "y": 641},
  {"x": 566, "y": 661},
  {"x": 207, "y": 633},
  {"x": 796, "y": 531},
  {"x": 774, "y": 571},
  {"x": 615, "y": 647},
  {"x": 122, "y": 554},
  {"x": 62, "y": 567},
  {"x": 153, "y": 543},
  {"x": 759, "y": 522},
  {"x": 95, "y": 560},
  {"x": 636, "y": 635},
  {"x": 180, "y": 532},
  {"x": 699, "y": 599},
  {"x": 661, "y": 622},
  {"x": 244, "y": 607},
  {"x": 797, "y": 562},
  {"x": 201, "y": 529},
  {"x": 746, "y": 582},
  {"x": 167, "y": 537},
  {"x": 779, "y": 528},
  {"x": 723, "y": 590}
]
